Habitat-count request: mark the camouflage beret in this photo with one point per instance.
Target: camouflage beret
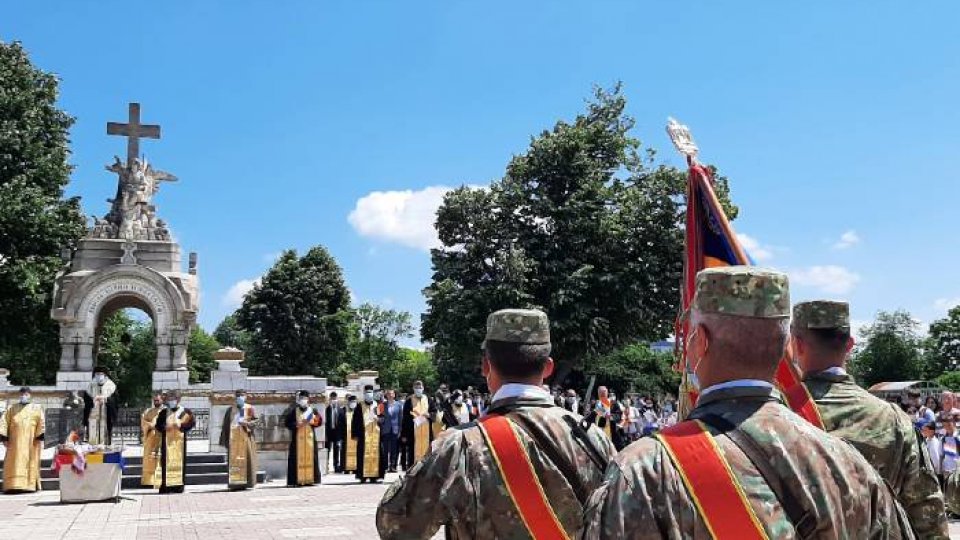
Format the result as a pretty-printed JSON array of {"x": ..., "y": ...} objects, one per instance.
[
  {"x": 527, "y": 326},
  {"x": 822, "y": 315},
  {"x": 742, "y": 291}
]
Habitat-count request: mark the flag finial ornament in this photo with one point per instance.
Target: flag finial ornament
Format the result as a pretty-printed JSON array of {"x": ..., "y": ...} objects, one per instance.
[{"x": 682, "y": 138}]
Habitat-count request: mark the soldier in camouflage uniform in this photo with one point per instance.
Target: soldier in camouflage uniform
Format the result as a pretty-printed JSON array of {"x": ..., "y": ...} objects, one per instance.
[
  {"x": 819, "y": 486},
  {"x": 881, "y": 431},
  {"x": 459, "y": 485}
]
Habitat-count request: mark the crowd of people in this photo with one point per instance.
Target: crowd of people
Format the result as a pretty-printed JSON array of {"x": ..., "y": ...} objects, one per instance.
[
  {"x": 822, "y": 459},
  {"x": 936, "y": 421}
]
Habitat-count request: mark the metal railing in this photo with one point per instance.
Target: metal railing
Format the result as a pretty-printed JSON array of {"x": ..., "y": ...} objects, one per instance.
[{"x": 126, "y": 427}]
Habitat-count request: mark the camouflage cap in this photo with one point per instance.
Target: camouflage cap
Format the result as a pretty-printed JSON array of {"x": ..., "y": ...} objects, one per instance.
[
  {"x": 743, "y": 291},
  {"x": 822, "y": 315},
  {"x": 528, "y": 326}
]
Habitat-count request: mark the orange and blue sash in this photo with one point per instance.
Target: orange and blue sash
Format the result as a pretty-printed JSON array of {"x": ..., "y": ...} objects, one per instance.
[
  {"x": 521, "y": 479},
  {"x": 715, "y": 491}
]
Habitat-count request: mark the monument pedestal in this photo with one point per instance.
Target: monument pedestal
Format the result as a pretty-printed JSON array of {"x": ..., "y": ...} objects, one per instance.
[
  {"x": 171, "y": 380},
  {"x": 73, "y": 380}
]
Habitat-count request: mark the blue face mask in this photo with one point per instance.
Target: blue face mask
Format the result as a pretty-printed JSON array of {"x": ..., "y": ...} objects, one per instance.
[
  {"x": 418, "y": 392},
  {"x": 241, "y": 400},
  {"x": 171, "y": 404},
  {"x": 24, "y": 399}
]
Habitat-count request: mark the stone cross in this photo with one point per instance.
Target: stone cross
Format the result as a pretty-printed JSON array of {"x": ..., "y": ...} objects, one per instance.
[
  {"x": 133, "y": 130},
  {"x": 129, "y": 246}
]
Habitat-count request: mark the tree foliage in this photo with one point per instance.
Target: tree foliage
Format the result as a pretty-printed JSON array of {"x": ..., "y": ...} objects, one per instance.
[
  {"x": 36, "y": 222},
  {"x": 891, "y": 350},
  {"x": 950, "y": 380},
  {"x": 410, "y": 365},
  {"x": 127, "y": 348},
  {"x": 375, "y": 336},
  {"x": 298, "y": 316},
  {"x": 636, "y": 369},
  {"x": 942, "y": 346},
  {"x": 200, "y": 351},
  {"x": 582, "y": 225}
]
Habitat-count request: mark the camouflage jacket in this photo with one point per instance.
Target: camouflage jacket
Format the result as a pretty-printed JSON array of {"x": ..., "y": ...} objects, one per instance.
[
  {"x": 841, "y": 496},
  {"x": 886, "y": 437},
  {"x": 459, "y": 485}
]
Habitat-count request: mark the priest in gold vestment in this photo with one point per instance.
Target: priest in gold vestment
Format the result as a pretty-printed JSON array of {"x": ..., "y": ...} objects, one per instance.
[
  {"x": 349, "y": 447},
  {"x": 21, "y": 431},
  {"x": 415, "y": 431},
  {"x": 303, "y": 468},
  {"x": 237, "y": 436},
  {"x": 151, "y": 443},
  {"x": 173, "y": 423},
  {"x": 365, "y": 428}
]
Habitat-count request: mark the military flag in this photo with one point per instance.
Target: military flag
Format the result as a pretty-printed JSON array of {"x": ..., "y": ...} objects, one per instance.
[{"x": 710, "y": 242}]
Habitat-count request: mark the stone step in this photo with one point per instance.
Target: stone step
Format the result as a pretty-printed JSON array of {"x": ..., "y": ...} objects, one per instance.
[
  {"x": 133, "y": 481},
  {"x": 201, "y": 469},
  {"x": 135, "y": 470},
  {"x": 138, "y": 460}
]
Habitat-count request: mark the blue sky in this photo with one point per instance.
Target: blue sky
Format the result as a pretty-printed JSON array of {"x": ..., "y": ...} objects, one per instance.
[{"x": 341, "y": 123}]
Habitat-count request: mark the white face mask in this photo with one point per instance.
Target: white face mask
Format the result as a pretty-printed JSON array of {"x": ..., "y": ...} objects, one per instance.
[
  {"x": 101, "y": 378},
  {"x": 418, "y": 392},
  {"x": 368, "y": 396},
  {"x": 24, "y": 399},
  {"x": 352, "y": 405},
  {"x": 459, "y": 401},
  {"x": 303, "y": 402},
  {"x": 172, "y": 404}
]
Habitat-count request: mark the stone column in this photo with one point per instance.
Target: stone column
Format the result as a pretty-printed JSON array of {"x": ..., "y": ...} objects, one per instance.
[
  {"x": 163, "y": 354},
  {"x": 68, "y": 355},
  {"x": 85, "y": 356},
  {"x": 179, "y": 357},
  {"x": 179, "y": 360}
]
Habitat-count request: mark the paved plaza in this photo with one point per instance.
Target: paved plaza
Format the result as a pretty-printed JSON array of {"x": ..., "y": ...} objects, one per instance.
[{"x": 339, "y": 508}]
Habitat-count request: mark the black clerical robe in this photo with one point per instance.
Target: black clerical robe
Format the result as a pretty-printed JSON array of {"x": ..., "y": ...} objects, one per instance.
[
  {"x": 365, "y": 428},
  {"x": 173, "y": 426},
  {"x": 303, "y": 467}
]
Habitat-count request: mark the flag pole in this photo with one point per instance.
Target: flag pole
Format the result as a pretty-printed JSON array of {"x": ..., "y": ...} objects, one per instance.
[{"x": 683, "y": 141}]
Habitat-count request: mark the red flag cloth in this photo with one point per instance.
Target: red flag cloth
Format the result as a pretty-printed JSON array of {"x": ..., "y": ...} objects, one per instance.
[{"x": 710, "y": 242}]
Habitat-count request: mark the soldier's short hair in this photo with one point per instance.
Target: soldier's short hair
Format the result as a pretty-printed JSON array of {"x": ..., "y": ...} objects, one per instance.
[
  {"x": 828, "y": 339},
  {"x": 517, "y": 360}
]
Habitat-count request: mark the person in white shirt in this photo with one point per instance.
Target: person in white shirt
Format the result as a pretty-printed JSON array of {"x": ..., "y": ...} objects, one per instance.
[
  {"x": 934, "y": 448},
  {"x": 950, "y": 445}
]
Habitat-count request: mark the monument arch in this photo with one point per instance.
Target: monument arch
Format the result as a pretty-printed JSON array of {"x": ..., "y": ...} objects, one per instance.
[{"x": 127, "y": 260}]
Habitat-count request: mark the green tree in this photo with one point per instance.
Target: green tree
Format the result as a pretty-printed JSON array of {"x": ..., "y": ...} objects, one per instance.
[
  {"x": 950, "y": 380},
  {"x": 636, "y": 368},
  {"x": 409, "y": 366},
  {"x": 890, "y": 351},
  {"x": 36, "y": 222},
  {"x": 942, "y": 346},
  {"x": 375, "y": 337},
  {"x": 298, "y": 316},
  {"x": 582, "y": 225},
  {"x": 127, "y": 349},
  {"x": 200, "y": 355}
]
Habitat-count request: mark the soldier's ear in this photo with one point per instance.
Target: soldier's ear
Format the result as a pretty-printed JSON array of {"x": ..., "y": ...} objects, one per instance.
[
  {"x": 485, "y": 367},
  {"x": 548, "y": 368},
  {"x": 850, "y": 343}
]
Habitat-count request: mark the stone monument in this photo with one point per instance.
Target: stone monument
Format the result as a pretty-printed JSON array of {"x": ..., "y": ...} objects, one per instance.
[{"x": 127, "y": 260}]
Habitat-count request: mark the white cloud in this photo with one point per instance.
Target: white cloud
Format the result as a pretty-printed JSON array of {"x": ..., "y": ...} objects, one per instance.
[
  {"x": 828, "y": 279},
  {"x": 847, "y": 240},
  {"x": 943, "y": 305},
  {"x": 754, "y": 249},
  {"x": 404, "y": 217},
  {"x": 234, "y": 296}
]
